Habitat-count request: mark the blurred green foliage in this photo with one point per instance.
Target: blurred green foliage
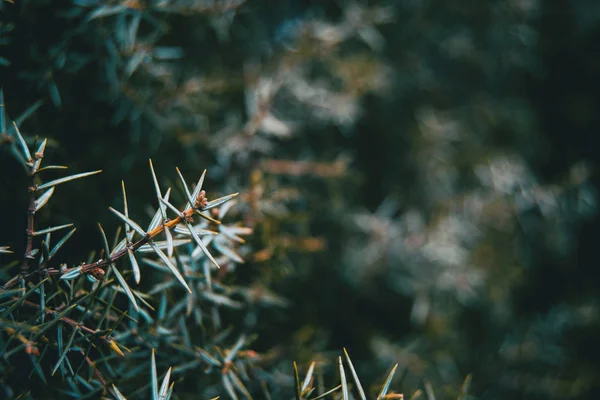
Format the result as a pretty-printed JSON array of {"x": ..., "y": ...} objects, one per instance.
[{"x": 420, "y": 175}]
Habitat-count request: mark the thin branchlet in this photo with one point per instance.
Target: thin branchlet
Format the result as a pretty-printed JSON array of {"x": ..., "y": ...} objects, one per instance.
[
  {"x": 96, "y": 268},
  {"x": 31, "y": 209}
]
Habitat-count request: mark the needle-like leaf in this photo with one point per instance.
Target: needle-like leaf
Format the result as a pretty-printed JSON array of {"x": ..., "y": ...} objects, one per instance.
[
  {"x": 120, "y": 246},
  {"x": 163, "y": 245},
  {"x": 118, "y": 394},
  {"x": 233, "y": 232},
  {"x": 134, "y": 266},
  {"x": 171, "y": 206},
  {"x": 126, "y": 210},
  {"x": 30, "y": 110},
  {"x": 52, "y": 229},
  {"x": 170, "y": 392},
  {"x": 345, "y": 395},
  {"x": 355, "y": 376},
  {"x": 132, "y": 31},
  {"x": 67, "y": 179},
  {"x": 208, "y": 218},
  {"x": 43, "y": 199},
  {"x": 5, "y": 250},
  {"x": 208, "y": 358},
  {"x": 169, "y": 242},
  {"x": 60, "y": 243},
  {"x": 170, "y": 265},
  {"x": 59, "y": 344},
  {"x": 161, "y": 206},
  {"x": 429, "y": 391},
  {"x": 106, "y": 11},
  {"x": 38, "y": 368},
  {"x": 199, "y": 231},
  {"x": 49, "y": 167},
  {"x": 221, "y": 300},
  {"x": 231, "y": 254},
  {"x": 65, "y": 352},
  {"x": 464, "y": 389},
  {"x": 386, "y": 385},
  {"x": 235, "y": 349},
  {"x": 120, "y": 278},
  {"x": 135, "y": 61},
  {"x": 24, "y": 149},
  {"x": 228, "y": 386},
  {"x": 72, "y": 274},
  {"x": 157, "y": 218},
  {"x": 308, "y": 377},
  {"x": 239, "y": 384},
  {"x": 327, "y": 393},
  {"x": 219, "y": 201},
  {"x": 129, "y": 222},
  {"x": 39, "y": 154},
  {"x": 297, "y": 392},
  {"x": 56, "y": 320},
  {"x": 226, "y": 207},
  {"x": 186, "y": 190},
  {"x": 162, "y": 394},
  {"x": 202, "y": 246},
  {"x": 154, "y": 377},
  {"x": 125, "y": 287}
]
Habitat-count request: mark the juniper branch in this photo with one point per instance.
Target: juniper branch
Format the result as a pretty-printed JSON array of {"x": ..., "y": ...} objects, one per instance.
[{"x": 97, "y": 268}]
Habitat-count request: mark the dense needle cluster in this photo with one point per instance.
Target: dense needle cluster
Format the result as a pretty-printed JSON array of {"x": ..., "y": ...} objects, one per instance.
[{"x": 80, "y": 321}]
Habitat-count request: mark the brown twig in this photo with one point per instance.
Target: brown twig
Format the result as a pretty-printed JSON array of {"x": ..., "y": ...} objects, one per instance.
[
  {"x": 75, "y": 325},
  {"x": 33, "y": 164},
  {"x": 30, "y": 226}
]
